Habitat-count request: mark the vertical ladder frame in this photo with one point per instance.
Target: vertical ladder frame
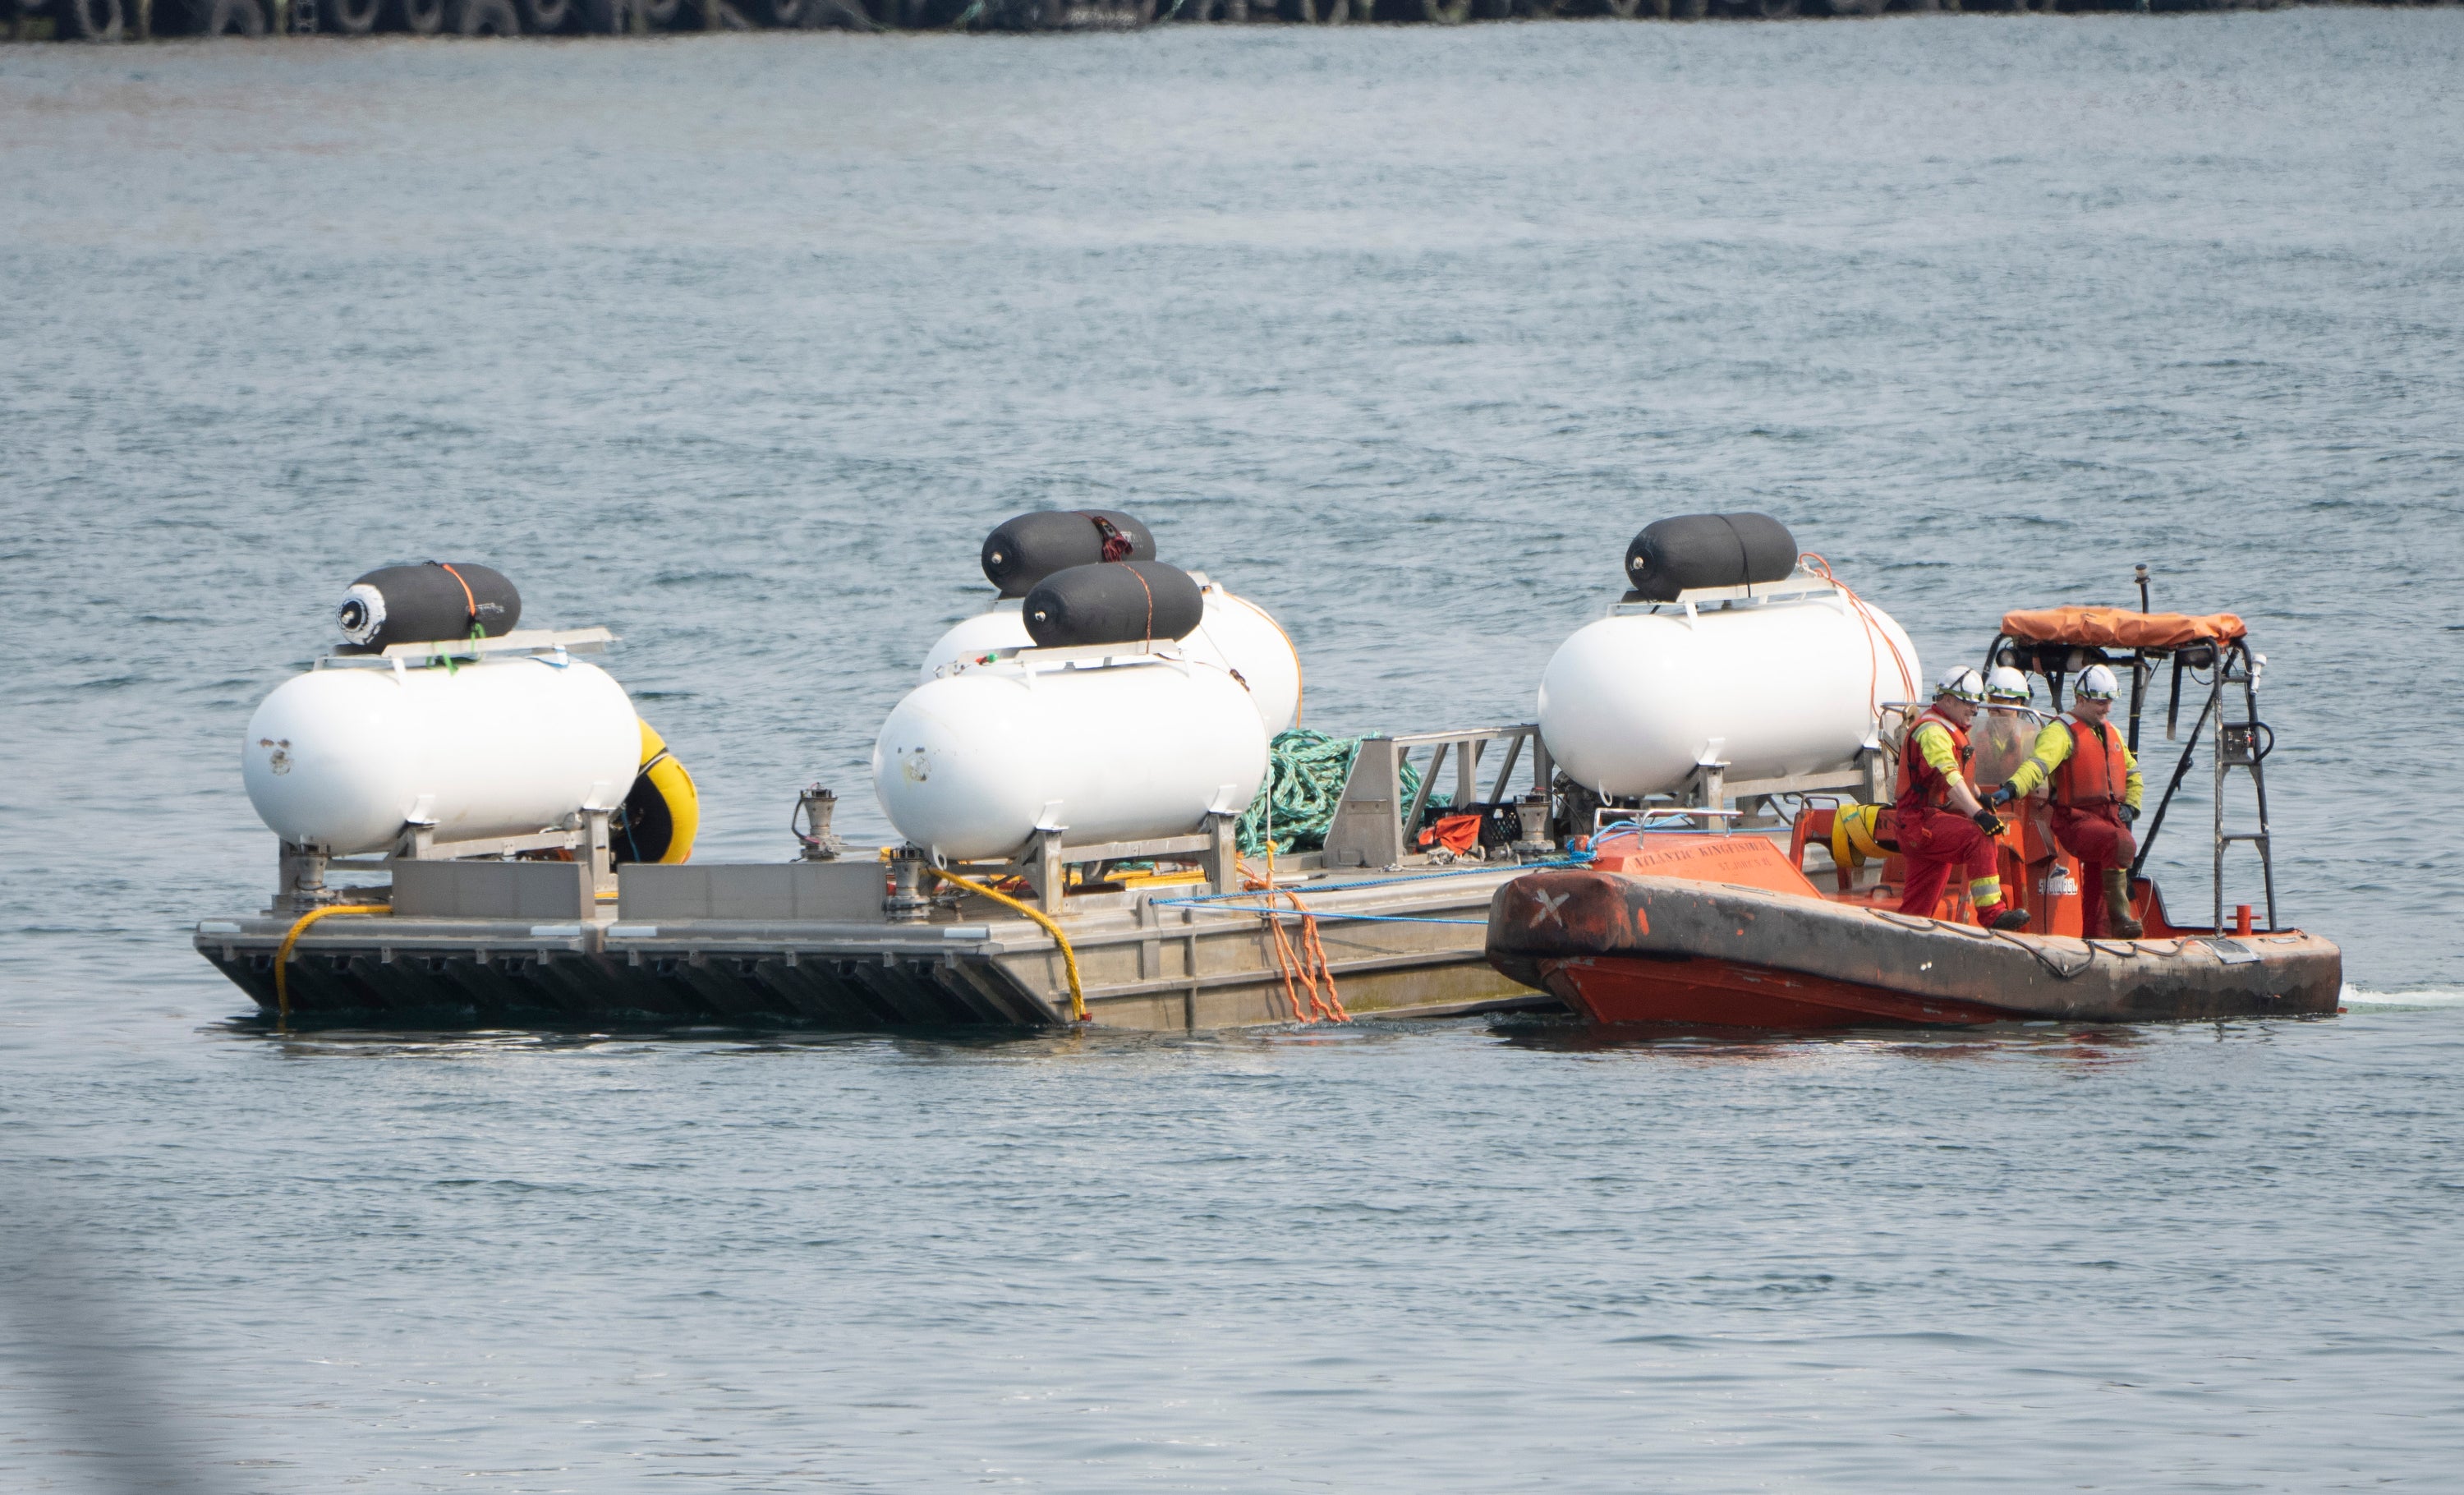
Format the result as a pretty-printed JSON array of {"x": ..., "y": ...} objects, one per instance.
[{"x": 2236, "y": 746}]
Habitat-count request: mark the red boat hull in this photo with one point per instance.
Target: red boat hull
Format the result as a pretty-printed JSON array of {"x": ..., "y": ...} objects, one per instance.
[
  {"x": 1704, "y": 992},
  {"x": 1620, "y": 947}
]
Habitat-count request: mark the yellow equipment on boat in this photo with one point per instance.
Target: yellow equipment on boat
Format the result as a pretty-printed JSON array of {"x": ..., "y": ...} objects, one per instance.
[
  {"x": 662, "y": 811},
  {"x": 1856, "y": 835}
]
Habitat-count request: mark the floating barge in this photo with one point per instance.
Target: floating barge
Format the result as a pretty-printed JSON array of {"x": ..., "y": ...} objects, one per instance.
[{"x": 1370, "y": 926}]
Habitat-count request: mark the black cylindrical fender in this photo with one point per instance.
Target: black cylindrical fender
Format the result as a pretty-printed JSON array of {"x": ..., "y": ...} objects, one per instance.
[
  {"x": 429, "y": 603},
  {"x": 1695, "y": 550},
  {"x": 1122, "y": 601},
  {"x": 1021, "y": 552}
]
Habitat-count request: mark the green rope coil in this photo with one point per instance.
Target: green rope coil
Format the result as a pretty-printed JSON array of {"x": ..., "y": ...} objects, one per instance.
[{"x": 1306, "y": 772}]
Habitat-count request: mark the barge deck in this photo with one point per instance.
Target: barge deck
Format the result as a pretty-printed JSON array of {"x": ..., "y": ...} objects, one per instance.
[
  {"x": 459, "y": 936},
  {"x": 1401, "y": 944}
]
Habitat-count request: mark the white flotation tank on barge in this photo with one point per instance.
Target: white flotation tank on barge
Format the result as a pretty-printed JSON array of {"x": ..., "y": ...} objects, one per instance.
[
  {"x": 1727, "y": 652},
  {"x": 1235, "y": 634},
  {"x": 486, "y": 732},
  {"x": 1101, "y": 728}
]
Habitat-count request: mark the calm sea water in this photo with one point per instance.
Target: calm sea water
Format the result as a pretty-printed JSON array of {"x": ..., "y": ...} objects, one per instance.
[{"x": 739, "y": 345}]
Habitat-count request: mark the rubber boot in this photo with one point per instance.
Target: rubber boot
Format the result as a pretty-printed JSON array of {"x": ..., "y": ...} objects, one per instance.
[
  {"x": 2118, "y": 921},
  {"x": 2006, "y": 919}
]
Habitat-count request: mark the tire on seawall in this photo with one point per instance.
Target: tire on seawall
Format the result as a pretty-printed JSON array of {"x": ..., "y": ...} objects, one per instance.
[
  {"x": 90, "y": 20},
  {"x": 414, "y": 17},
  {"x": 483, "y": 19}
]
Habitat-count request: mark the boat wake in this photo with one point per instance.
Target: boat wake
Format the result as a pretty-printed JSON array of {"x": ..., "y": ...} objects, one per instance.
[{"x": 2428, "y": 998}]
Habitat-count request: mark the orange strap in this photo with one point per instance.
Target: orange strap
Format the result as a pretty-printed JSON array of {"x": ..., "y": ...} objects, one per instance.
[
  {"x": 1150, "y": 591},
  {"x": 1873, "y": 631},
  {"x": 468, "y": 600}
]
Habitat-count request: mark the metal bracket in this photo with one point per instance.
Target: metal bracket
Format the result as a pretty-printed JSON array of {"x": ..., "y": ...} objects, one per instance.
[
  {"x": 549, "y": 644},
  {"x": 299, "y": 878}
]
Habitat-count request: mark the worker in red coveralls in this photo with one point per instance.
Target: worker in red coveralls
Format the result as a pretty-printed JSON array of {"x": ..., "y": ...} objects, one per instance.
[
  {"x": 2095, "y": 788},
  {"x": 1942, "y": 827}
]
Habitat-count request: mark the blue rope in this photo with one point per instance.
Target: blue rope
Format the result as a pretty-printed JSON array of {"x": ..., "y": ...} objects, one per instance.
[
  {"x": 1387, "y": 881},
  {"x": 1213, "y": 902},
  {"x": 1302, "y": 913}
]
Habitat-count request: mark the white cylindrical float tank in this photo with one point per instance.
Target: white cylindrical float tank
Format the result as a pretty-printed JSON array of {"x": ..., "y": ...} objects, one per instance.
[
  {"x": 1240, "y": 635},
  {"x": 1630, "y": 704},
  {"x": 1236, "y": 634},
  {"x": 345, "y": 757},
  {"x": 970, "y": 765}
]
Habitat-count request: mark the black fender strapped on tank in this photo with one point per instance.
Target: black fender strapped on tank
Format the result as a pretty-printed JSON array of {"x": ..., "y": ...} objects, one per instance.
[
  {"x": 1692, "y": 551},
  {"x": 429, "y": 603},
  {"x": 1118, "y": 602}
]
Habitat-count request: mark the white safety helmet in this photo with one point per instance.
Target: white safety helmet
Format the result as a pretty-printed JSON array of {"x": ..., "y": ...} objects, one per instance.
[
  {"x": 1962, "y": 684},
  {"x": 2006, "y": 684},
  {"x": 2096, "y": 683}
]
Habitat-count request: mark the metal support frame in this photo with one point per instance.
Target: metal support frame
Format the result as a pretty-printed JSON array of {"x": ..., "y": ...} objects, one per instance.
[
  {"x": 1706, "y": 794},
  {"x": 2237, "y": 747},
  {"x": 907, "y": 902},
  {"x": 1370, "y": 829},
  {"x": 553, "y": 644},
  {"x": 299, "y": 878},
  {"x": 1370, "y": 824},
  {"x": 2235, "y": 744},
  {"x": 301, "y": 867},
  {"x": 1045, "y": 861}
]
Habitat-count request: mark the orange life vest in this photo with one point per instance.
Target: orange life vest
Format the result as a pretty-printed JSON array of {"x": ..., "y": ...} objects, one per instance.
[
  {"x": 1922, "y": 785},
  {"x": 2094, "y": 774}
]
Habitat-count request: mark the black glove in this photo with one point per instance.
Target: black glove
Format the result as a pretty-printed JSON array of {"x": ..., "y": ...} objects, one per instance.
[
  {"x": 2003, "y": 794},
  {"x": 2130, "y": 815},
  {"x": 1987, "y": 822}
]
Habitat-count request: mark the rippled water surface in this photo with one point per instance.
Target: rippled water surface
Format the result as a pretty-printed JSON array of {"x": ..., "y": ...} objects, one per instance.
[{"x": 739, "y": 345}]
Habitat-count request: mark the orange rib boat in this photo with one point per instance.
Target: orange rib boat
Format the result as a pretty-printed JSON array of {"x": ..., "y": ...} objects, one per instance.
[
  {"x": 1690, "y": 926},
  {"x": 1720, "y": 930}
]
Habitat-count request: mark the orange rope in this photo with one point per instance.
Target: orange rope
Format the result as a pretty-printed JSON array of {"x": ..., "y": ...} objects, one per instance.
[
  {"x": 1288, "y": 962},
  {"x": 1873, "y": 630},
  {"x": 1150, "y": 591},
  {"x": 1326, "y": 968},
  {"x": 1302, "y": 966},
  {"x": 473, "y": 602}
]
